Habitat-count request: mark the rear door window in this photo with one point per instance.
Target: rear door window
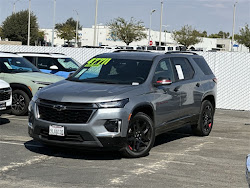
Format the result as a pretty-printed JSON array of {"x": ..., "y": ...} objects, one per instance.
[{"x": 183, "y": 68}]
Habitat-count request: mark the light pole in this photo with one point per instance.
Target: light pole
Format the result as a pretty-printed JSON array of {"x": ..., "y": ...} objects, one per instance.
[
  {"x": 28, "y": 42},
  {"x": 14, "y": 6},
  {"x": 150, "y": 22},
  {"x": 77, "y": 20},
  {"x": 161, "y": 23},
  {"x": 54, "y": 20},
  {"x": 96, "y": 9},
  {"x": 233, "y": 25},
  {"x": 165, "y": 31}
]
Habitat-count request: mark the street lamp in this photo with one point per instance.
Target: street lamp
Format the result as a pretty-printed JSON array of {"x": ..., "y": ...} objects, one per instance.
[
  {"x": 233, "y": 25},
  {"x": 53, "y": 29},
  {"x": 161, "y": 23},
  {"x": 96, "y": 9},
  {"x": 14, "y": 6},
  {"x": 150, "y": 22},
  {"x": 28, "y": 42},
  {"x": 77, "y": 20}
]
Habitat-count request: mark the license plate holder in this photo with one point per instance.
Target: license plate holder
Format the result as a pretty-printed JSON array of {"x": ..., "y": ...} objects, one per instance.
[{"x": 56, "y": 130}]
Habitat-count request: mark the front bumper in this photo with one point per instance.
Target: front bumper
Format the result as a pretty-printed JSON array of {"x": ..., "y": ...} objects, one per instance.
[
  {"x": 92, "y": 135},
  {"x": 6, "y": 111}
]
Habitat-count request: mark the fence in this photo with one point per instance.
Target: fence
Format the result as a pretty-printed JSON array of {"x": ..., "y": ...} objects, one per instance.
[{"x": 231, "y": 69}]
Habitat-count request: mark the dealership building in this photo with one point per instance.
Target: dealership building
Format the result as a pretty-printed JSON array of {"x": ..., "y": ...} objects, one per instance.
[{"x": 103, "y": 38}]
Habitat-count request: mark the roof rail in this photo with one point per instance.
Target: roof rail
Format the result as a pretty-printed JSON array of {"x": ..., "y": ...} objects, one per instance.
[
  {"x": 49, "y": 53},
  {"x": 181, "y": 52},
  {"x": 124, "y": 50},
  {"x": 8, "y": 52}
]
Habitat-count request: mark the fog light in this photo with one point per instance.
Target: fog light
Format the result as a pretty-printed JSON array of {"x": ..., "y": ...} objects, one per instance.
[{"x": 113, "y": 125}]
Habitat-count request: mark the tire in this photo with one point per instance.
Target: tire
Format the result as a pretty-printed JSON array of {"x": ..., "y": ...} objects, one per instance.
[
  {"x": 20, "y": 102},
  {"x": 140, "y": 136},
  {"x": 206, "y": 119}
]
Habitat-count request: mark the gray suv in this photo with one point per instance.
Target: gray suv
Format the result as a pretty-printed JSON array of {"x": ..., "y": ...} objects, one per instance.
[{"x": 122, "y": 100}]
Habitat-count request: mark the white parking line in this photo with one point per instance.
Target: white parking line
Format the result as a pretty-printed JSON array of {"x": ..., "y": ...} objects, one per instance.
[{"x": 18, "y": 119}]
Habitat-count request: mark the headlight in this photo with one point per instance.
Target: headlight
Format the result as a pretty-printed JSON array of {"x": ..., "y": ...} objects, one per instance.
[
  {"x": 42, "y": 83},
  {"x": 114, "y": 104}
]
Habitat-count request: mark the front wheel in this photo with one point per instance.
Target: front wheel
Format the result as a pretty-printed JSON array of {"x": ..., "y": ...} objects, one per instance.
[
  {"x": 140, "y": 136},
  {"x": 206, "y": 119},
  {"x": 20, "y": 102}
]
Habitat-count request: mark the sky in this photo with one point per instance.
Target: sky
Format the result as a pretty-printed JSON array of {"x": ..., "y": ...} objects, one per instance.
[{"x": 209, "y": 15}]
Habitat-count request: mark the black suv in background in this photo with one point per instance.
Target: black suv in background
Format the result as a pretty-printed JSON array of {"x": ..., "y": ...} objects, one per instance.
[{"x": 122, "y": 100}]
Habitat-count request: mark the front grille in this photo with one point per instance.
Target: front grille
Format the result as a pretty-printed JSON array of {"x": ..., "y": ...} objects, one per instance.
[
  {"x": 5, "y": 94},
  {"x": 64, "y": 112}
]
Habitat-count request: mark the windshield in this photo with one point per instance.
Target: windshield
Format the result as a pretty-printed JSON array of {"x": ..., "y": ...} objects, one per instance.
[
  {"x": 17, "y": 65},
  {"x": 113, "y": 71},
  {"x": 68, "y": 63}
]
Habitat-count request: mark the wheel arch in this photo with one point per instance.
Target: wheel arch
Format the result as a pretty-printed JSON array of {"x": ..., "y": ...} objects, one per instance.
[
  {"x": 210, "y": 98},
  {"x": 22, "y": 87},
  {"x": 146, "y": 108}
]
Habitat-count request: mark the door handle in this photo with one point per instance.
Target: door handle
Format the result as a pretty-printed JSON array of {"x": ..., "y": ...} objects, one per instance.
[{"x": 198, "y": 85}]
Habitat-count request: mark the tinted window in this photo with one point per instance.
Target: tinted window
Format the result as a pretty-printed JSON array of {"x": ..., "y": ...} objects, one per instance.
[
  {"x": 203, "y": 66},
  {"x": 151, "y": 48},
  {"x": 113, "y": 71},
  {"x": 170, "y": 48},
  {"x": 164, "y": 70},
  {"x": 16, "y": 65},
  {"x": 68, "y": 63},
  {"x": 31, "y": 59},
  {"x": 45, "y": 63},
  {"x": 183, "y": 68},
  {"x": 161, "y": 48}
]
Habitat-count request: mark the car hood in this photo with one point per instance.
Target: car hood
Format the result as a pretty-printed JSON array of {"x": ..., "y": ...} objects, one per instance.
[
  {"x": 39, "y": 76},
  {"x": 82, "y": 92},
  {"x": 4, "y": 84}
]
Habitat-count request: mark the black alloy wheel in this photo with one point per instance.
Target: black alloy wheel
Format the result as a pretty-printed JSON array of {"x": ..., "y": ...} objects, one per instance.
[
  {"x": 140, "y": 136},
  {"x": 205, "y": 122},
  {"x": 20, "y": 102}
]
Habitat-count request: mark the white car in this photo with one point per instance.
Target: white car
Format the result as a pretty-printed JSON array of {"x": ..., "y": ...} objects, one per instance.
[{"x": 5, "y": 97}]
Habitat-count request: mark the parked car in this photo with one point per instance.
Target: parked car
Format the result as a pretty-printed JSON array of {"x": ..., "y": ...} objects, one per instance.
[
  {"x": 24, "y": 78},
  {"x": 53, "y": 63},
  {"x": 122, "y": 100},
  {"x": 248, "y": 170},
  {"x": 5, "y": 97}
]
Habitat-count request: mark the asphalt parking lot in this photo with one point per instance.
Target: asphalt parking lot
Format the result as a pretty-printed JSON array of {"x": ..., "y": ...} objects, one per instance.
[{"x": 178, "y": 159}]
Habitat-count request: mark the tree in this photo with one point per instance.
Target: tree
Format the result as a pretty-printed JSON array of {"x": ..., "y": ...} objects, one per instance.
[
  {"x": 67, "y": 30},
  {"x": 1, "y": 32},
  {"x": 127, "y": 31},
  {"x": 244, "y": 36},
  {"x": 15, "y": 27},
  {"x": 187, "y": 36},
  {"x": 221, "y": 34}
]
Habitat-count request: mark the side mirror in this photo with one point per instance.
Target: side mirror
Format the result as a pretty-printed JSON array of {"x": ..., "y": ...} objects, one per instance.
[
  {"x": 53, "y": 67},
  {"x": 163, "y": 81},
  {"x": 70, "y": 74}
]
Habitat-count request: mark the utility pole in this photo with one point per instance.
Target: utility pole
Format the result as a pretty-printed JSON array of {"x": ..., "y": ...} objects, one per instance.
[
  {"x": 96, "y": 9},
  {"x": 233, "y": 26},
  {"x": 77, "y": 21},
  {"x": 150, "y": 22},
  {"x": 28, "y": 42},
  {"x": 161, "y": 23},
  {"x": 54, "y": 20},
  {"x": 14, "y": 6}
]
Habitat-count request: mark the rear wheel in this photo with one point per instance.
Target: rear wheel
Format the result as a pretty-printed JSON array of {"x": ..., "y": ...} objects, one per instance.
[
  {"x": 140, "y": 136},
  {"x": 206, "y": 118},
  {"x": 20, "y": 102}
]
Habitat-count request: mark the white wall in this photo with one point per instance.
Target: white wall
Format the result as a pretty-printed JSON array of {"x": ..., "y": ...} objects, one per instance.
[{"x": 232, "y": 70}]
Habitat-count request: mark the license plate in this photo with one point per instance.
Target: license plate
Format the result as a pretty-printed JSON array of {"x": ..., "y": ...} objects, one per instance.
[
  {"x": 56, "y": 130},
  {"x": 2, "y": 106}
]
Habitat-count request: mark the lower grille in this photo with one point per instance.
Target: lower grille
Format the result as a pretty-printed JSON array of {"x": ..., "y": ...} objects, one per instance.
[
  {"x": 5, "y": 94},
  {"x": 70, "y": 137}
]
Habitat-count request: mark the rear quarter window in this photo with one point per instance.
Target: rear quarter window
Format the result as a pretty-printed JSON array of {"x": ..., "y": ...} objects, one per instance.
[{"x": 203, "y": 66}]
